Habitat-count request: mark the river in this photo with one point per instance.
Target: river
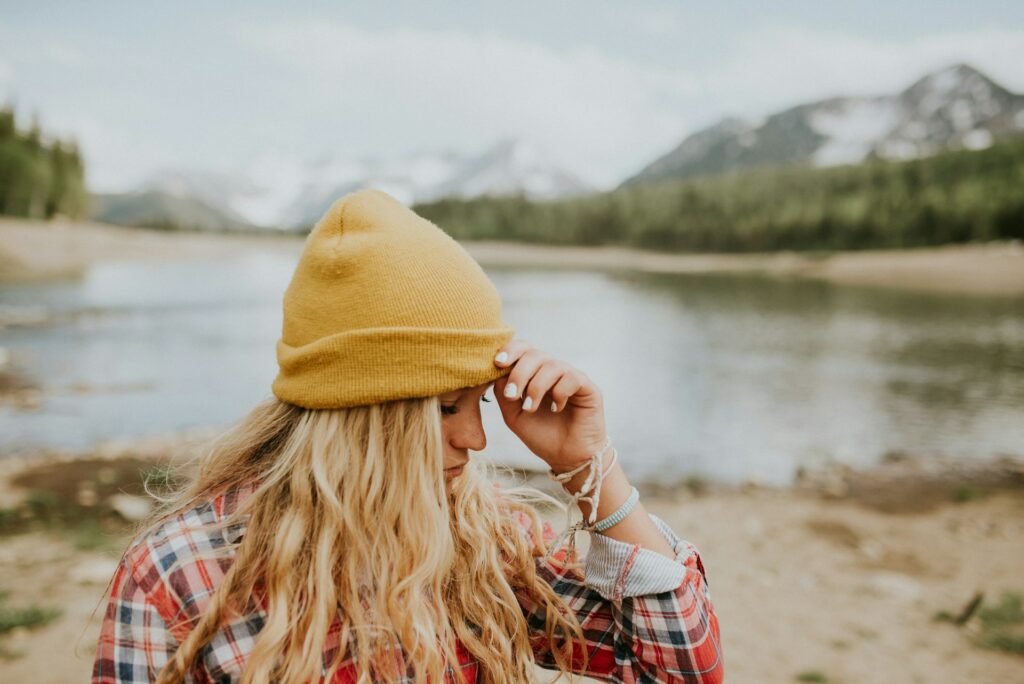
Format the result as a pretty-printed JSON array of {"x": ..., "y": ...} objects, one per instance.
[{"x": 721, "y": 376}]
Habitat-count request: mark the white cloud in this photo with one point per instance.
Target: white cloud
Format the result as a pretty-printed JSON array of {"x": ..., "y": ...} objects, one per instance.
[
  {"x": 407, "y": 88},
  {"x": 324, "y": 88},
  {"x": 393, "y": 90},
  {"x": 653, "y": 19},
  {"x": 113, "y": 162},
  {"x": 62, "y": 54}
]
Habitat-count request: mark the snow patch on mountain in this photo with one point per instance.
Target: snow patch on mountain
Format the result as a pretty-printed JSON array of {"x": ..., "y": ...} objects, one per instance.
[
  {"x": 953, "y": 107},
  {"x": 510, "y": 168},
  {"x": 286, "y": 192},
  {"x": 851, "y": 129}
]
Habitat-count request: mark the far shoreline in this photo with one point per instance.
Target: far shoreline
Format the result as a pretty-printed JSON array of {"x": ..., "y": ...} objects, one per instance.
[
  {"x": 995, "y": 269},
  {"x": 38, "y": 251}
]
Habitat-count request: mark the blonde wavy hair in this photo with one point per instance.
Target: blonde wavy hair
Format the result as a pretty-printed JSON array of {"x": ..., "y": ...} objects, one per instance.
[{"x": 350, "y": 520}]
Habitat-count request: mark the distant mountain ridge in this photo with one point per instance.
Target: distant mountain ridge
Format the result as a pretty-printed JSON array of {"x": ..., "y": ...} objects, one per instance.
[
  {"x": 287, "y": 194},
  {"x": 957, "y": 106},
  {"x": 161, "y": 209},
  {"x": 954, "y": 107}
]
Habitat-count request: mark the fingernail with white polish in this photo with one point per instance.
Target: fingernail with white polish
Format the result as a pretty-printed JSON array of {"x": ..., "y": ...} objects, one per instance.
[
  {"x": 510, "y": 390},
  {"x": 528, "y": 403},
  {"x": 502, "y": 357},
  {"x": 554, "y": 406}
]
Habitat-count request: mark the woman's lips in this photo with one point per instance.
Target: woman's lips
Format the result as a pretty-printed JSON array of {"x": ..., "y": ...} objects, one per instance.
[{"x": 453, "y": 472}]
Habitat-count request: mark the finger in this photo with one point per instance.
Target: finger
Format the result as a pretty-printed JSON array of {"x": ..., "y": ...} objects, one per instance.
[
  {"x": 509, "y": 408},
  {"x": 499, "y": 386},
  {"x": 526, "y": 365},
  {"x": 567, "y": 385},
  {"x": 543, "y": 380},
  {"x": 513, "y": 350}
]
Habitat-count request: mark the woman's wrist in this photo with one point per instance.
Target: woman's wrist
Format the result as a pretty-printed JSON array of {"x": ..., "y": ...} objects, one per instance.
[
  {"x": 635, "y": 528},
  {"x": 574, "y": 461},
  {"x": 574, "y": 475},
  {"x": 615, "y": 489},
  {"x": 605, "y": 484},
  {"x": 620, "y": 514}
]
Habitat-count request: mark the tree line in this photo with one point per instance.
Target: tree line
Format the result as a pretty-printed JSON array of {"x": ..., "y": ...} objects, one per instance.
[
  {"x": 39, "y": 179},
  {"x": 952, "y": 197}
]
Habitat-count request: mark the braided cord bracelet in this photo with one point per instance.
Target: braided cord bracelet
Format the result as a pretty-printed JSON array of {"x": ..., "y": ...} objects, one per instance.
[{"x": 590, "y": 492}]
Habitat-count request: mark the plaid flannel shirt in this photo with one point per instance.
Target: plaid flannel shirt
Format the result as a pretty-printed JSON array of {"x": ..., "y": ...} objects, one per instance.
[{"x": 645, "y": 617}]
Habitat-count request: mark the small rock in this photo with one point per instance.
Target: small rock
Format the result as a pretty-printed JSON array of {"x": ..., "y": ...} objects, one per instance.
[
  {"x": 28, "y": 399},
  {"x": 106, "y": 475},
  {"x": 833, "y": 483},
  {"x": 974, "y": 627},
  {"x": 807, "y": 581},
  {"x": 872, "y": 549},
  {"x": 894, "y": 585},
  {"x": 110, "y": 449},
  {"x": 131, "y": 508},
  {"x": 753, "y": 527},
  {"x": 750, "y": 484},
  {"x": 86, "y": 494},
  {"x": 18, "y": 637},
  {"x": 97, "y": 571}
]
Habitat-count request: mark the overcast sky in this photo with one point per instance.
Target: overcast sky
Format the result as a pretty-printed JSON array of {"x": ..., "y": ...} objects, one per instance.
[{"x": 603, "y": 86}]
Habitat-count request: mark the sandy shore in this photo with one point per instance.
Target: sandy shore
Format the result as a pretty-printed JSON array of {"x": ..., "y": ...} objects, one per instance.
[
  {"x": 31, "y": 250},
  {"x": 836, "y": 579},
  {"x": 36, "y": 250},
  {"x": 994, "y": 269}
]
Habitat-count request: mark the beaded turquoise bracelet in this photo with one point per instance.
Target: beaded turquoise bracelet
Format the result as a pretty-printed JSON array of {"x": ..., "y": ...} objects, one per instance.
[{"x": 619, "y": 515}]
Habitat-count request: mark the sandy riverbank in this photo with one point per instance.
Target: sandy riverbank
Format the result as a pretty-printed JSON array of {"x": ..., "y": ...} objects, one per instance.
[
  {"x": 995, "y": 269},
  {"x": 837, "y": 579},
  {"x": 31, "y": 250},
  {"x": 39, "y": 251}
]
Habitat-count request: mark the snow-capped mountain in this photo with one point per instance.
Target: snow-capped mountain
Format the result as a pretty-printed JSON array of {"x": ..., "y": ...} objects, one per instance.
[
  {"x": 509, "y": 168},
  {"x": 284, "y": 192},
  {"x": 206, "y": 187},
  {"x": 954, "y": 107}
]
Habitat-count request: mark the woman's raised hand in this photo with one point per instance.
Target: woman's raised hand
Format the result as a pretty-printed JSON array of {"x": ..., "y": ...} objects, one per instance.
[{"x": 565, "y": 437}]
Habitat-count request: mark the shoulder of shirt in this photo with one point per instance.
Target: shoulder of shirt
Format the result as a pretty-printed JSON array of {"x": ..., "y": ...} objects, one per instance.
[{"x": 179, "y": 558}]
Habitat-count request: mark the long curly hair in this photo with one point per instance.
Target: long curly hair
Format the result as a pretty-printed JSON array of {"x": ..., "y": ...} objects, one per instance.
[{"x": 350, "y": 521}]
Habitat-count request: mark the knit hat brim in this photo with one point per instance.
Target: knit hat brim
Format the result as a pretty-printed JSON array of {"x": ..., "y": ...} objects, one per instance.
[{"x": 411, "y": 362}]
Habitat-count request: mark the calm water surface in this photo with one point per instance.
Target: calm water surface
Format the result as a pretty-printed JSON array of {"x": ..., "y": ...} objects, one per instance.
[{"x": 729, "y": 377}]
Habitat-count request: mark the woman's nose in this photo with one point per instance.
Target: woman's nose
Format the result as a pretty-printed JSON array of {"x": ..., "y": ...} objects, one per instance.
[{"x": 470, "y": 436}]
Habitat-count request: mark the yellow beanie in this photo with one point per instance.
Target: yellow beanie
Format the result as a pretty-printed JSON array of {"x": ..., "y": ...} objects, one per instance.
[{"x": 385, "y": 305}]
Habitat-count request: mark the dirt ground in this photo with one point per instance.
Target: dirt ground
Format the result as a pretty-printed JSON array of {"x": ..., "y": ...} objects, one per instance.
[
  {"x": 34, "y": 250},
  {"x": 837, "y": 579}
]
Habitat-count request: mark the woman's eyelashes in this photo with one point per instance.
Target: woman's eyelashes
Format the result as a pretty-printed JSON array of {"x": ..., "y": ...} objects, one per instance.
[{"x": 452, "y": 409}]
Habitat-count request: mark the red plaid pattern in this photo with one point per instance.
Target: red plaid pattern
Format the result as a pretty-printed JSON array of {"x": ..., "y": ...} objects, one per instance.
[{"x": 165, "y": 580}]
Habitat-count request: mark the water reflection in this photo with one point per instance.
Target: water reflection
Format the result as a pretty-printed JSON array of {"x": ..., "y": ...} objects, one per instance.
[
  {"x": 725, "y": 376},
  {"x": 735, "y": 376}
]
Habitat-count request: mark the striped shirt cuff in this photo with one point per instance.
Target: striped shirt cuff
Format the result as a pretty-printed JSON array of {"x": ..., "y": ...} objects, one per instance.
[{"x": 619, "y": 570}]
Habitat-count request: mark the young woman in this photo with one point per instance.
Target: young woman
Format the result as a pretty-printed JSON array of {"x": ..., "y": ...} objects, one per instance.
[{"x": 341, "y": 531}]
